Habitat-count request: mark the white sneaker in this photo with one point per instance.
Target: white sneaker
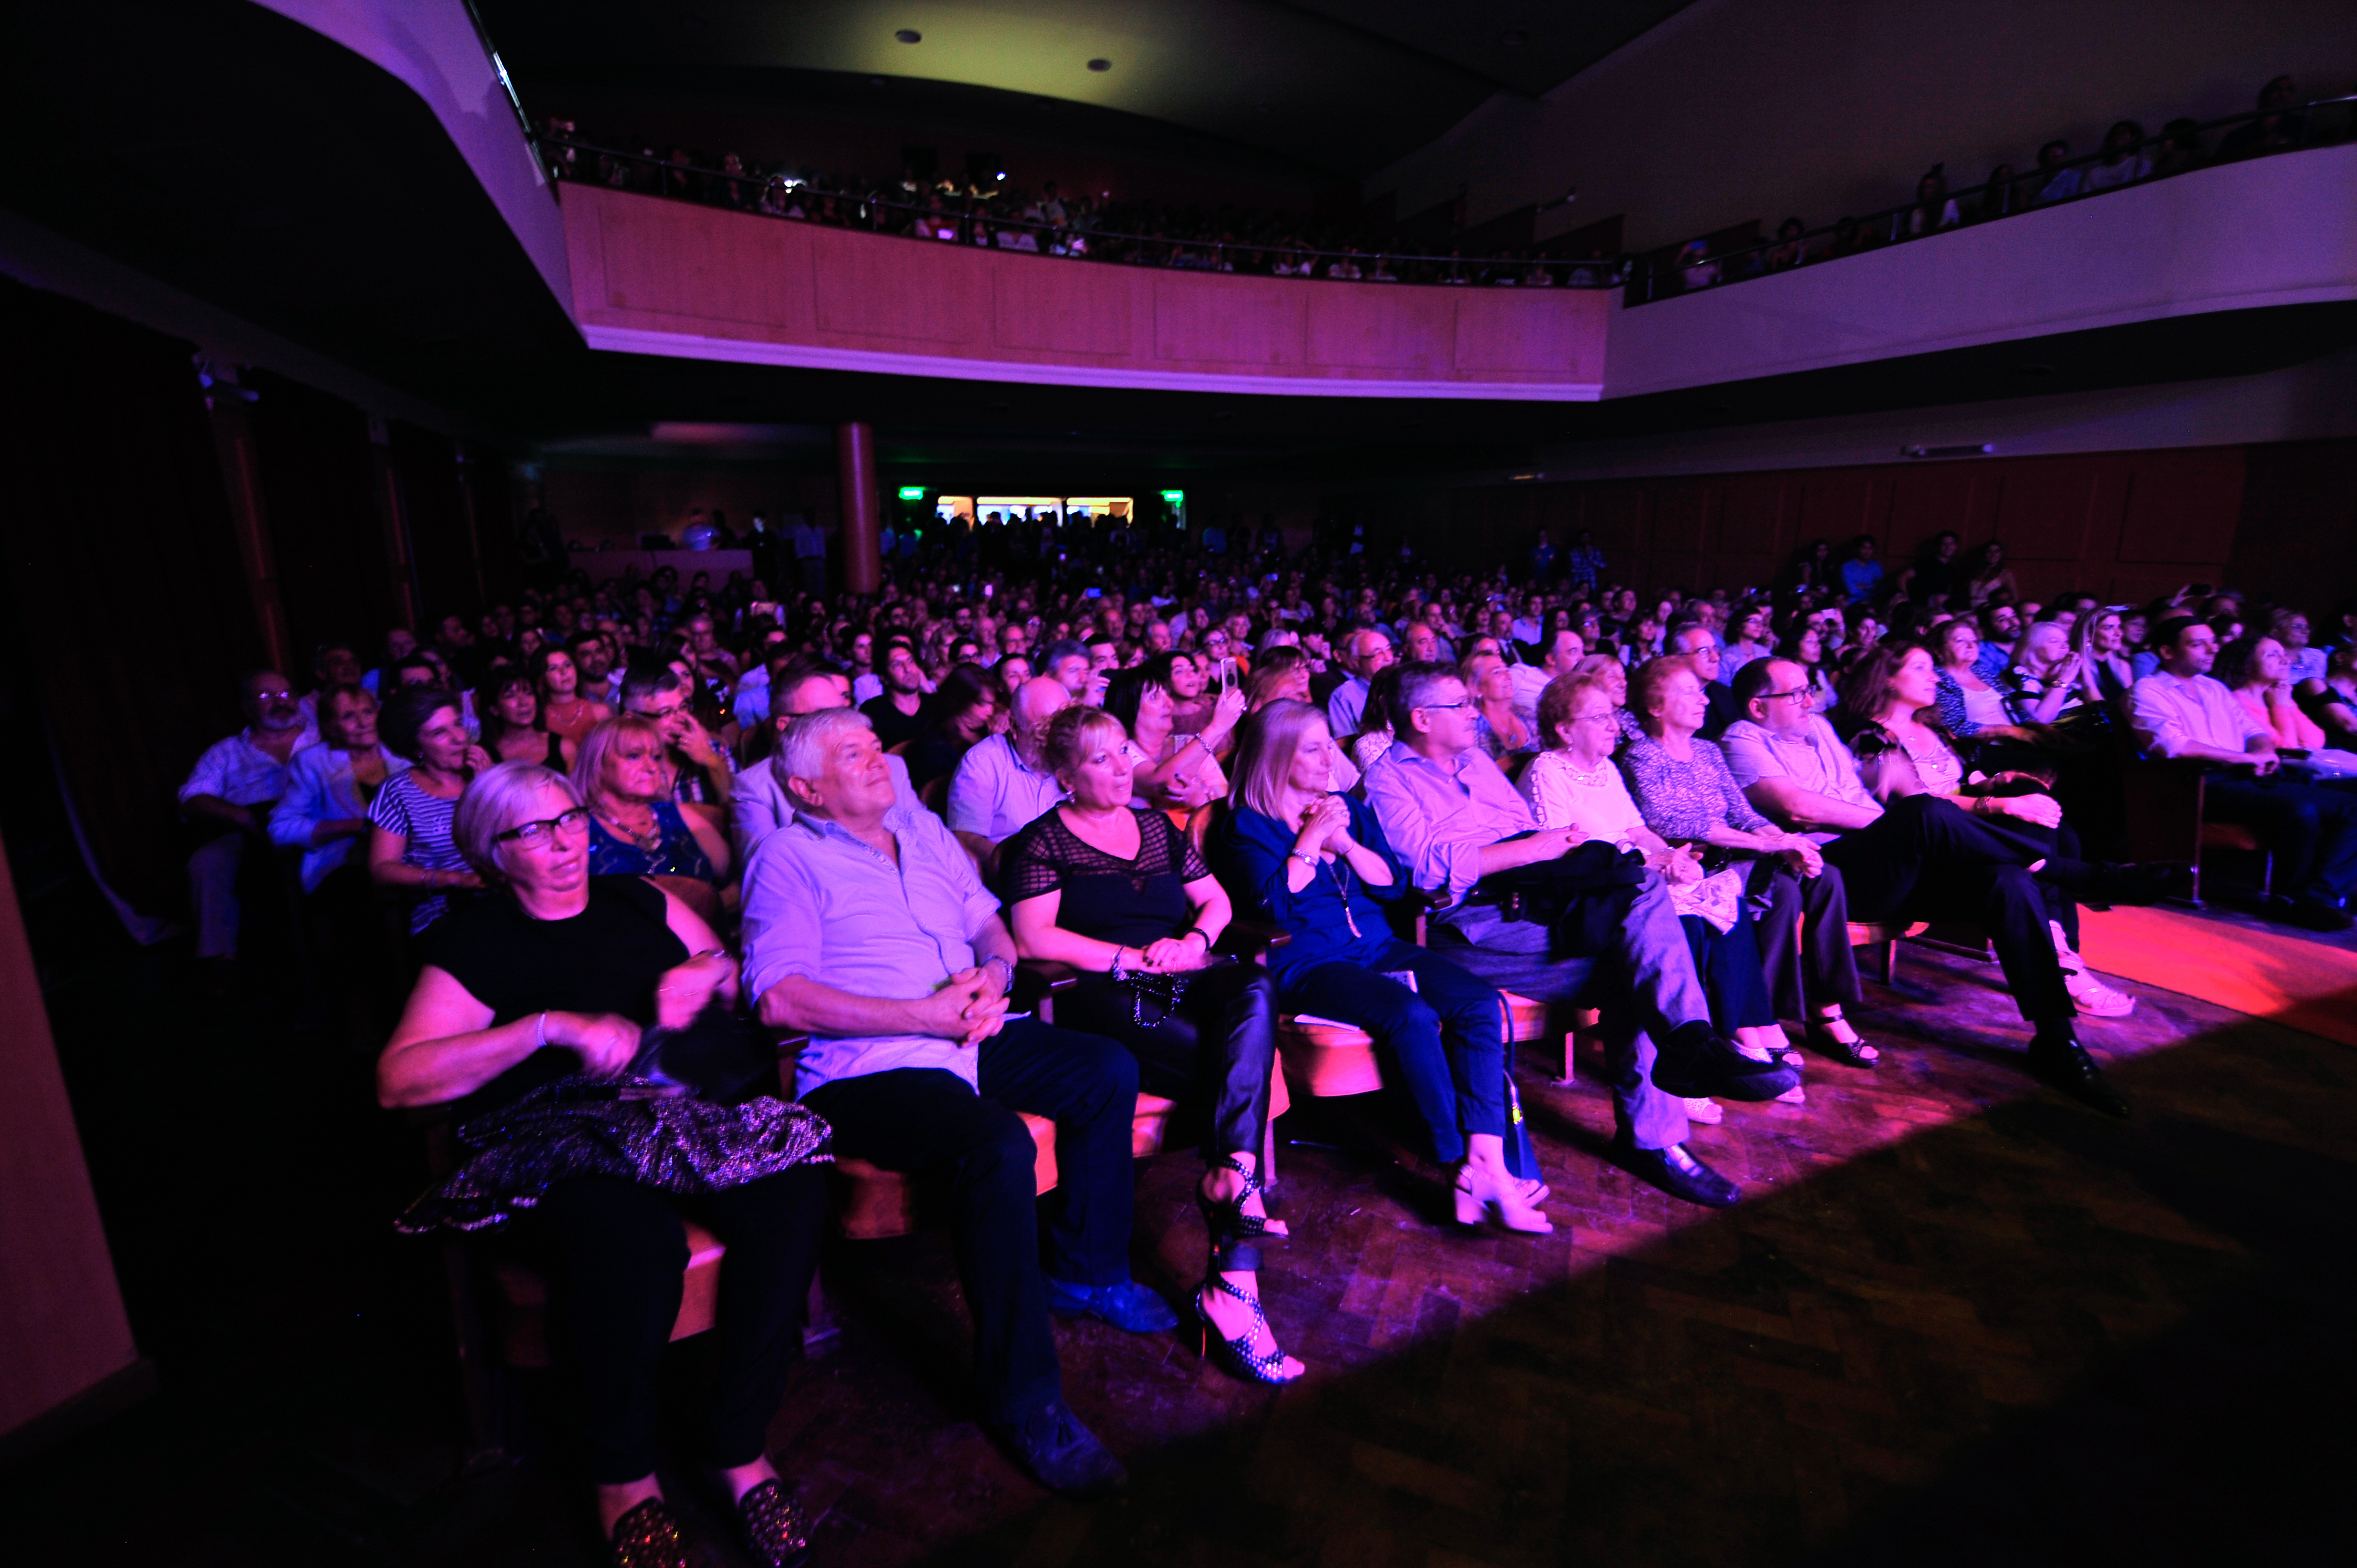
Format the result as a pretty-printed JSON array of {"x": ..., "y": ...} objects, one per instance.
[
  {"x": 1706, "y": 1112},
  {"x": 2094, "y": 998}
]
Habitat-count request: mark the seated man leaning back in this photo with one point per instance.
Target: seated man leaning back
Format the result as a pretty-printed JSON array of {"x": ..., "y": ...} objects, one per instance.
[{"x": 867, "y": 928}]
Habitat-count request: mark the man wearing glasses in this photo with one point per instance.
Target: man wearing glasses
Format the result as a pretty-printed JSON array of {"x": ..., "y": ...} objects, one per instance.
[
  {"x": 1455, "y": 819},
  {"x": 702, "y": 773},
  {"x": 227, "y": 801},
  {"x": 1924, "y": 858}
]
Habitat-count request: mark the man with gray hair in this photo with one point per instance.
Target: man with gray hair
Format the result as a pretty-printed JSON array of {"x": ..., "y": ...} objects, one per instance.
[{"x": 867, "y": 929}]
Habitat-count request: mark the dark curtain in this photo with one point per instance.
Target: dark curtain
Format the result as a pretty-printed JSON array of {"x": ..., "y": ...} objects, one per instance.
[
  {"x": 497, "y": 523},
  {"x": 318, "y": 490},
  {"x": 439, "y": 549},
  {"x": 122, "y": 571}
]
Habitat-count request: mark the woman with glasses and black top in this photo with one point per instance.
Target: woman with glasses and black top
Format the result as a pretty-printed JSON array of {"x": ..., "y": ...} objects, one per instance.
[{"x": 555, "y": 975}]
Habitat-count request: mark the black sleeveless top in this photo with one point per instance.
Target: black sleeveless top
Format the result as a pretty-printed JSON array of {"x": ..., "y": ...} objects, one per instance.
[
  {"x": 1131, "y": 902},
  {"x": 607, "y": 959}
]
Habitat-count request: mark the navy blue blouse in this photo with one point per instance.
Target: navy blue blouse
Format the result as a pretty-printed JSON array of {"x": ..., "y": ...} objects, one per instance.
[{"x": 1337, "y": 919}]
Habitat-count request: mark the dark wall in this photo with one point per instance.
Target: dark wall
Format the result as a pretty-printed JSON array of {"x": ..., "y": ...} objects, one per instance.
[
  {"x": 319, "y": 493},
  {"x": 123, "y": 583},
  {"x": 2274, "y": 520}
]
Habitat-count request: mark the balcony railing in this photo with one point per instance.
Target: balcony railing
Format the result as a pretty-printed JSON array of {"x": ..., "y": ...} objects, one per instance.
[
  {"x": 1695, "y": 265},
  {"x": 786, "y": 197}
]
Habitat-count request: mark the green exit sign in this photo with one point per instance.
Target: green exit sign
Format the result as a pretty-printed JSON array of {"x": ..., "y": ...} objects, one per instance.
[
  {"x": 912, "y": 492},
  {"x": 1176, "y": 498}
]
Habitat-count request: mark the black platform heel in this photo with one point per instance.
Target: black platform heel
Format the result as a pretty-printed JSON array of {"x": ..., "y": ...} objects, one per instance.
[
  {"x": 1237, "y": 1355},
  {"x": 1235, "y": 1235}
]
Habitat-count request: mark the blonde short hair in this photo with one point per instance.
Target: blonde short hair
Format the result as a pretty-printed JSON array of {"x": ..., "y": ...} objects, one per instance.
[
  {"x": 589, "y": 761},
  {"x": 499, "y": 799}
]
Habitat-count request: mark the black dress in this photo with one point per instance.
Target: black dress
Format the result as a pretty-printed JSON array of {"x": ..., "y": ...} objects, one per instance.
[
  {"x": 1219, "y": 1039},
  {"x": 613, "y": 1251}
]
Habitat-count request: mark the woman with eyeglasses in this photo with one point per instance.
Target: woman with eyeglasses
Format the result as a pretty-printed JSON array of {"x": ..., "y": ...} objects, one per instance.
[
  {"x": 556, "y": 976},
  {"x": 635, "y": 828},
  {"x": 1798, "y": 963}
]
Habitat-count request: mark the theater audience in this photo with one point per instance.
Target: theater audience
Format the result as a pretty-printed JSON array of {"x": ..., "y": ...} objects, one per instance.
[
  {"x": 701, "y": 772},
  {"x": 867, "y": 929},
  {"x": 330, "y": 786},
  {"x": 2330, "y": 699},
  {"x": 963, "y": 707},
  {"x": 2183, "y": 715},
  {"x": 1362, "y": 652},
  {"x": 1697, "y": 643},
  {"x": 1498, "y": 729},
  {"x": 1990, "y": 577},
  {"x": 899, "y": 711},
  {"x": 1121, "y": 895},
  {"x": 760, "y": 804},
  {"x": 1174, "y": 771},
  {"x": 1918, "y": 855},
  {"x": 1003, "y": 784},
  {"x": 564, "y": 709},
  {"x": 1464, "y": 835},
  {"x": 226, "y": 801},
  {"x": 1317, "y": 864},
  {"x": 635, "y": 827},
  {"x": 509, "y": 727},
  {"x": 1798, "y": 964},
  {"x": 556, "y": 976},
  {"x": 2104, "y": 675},
  {"x": 411, "y": 850}
]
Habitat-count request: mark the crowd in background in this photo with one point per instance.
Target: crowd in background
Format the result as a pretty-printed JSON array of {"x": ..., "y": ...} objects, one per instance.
[
  {"x": 986, "y": 210},
  {"x": 2127, "y": 156},
  {"x": 557, "y": 837}
]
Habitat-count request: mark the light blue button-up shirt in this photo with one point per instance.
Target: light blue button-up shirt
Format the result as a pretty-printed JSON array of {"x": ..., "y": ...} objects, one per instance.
[{"x": 821, "y": 904}]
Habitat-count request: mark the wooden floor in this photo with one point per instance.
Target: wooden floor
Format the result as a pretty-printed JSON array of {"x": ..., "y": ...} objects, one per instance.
[{"x": 1955, "y": 1318}]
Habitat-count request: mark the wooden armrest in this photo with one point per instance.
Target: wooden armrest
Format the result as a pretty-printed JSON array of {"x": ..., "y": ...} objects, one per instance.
[
  {"x": 1039, "y": 978},
  {"x": 1246, "y": 938}
]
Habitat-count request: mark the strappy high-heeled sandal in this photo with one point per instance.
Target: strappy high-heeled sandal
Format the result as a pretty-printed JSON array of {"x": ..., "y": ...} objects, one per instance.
[
  {"x": 1237, "y": 1355},
  {"x": 1226, "y": 1219}
]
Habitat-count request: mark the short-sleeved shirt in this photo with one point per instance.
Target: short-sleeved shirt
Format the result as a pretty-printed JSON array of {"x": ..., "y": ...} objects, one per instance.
[
  {"x": 1816, "y": 760},
  {"x": 424, "y": 821},
  {"x": 607, "y": 959},
  {"x": 1130, "y": 902},
  {"x": 241, "y": 772},
  {"x": 821, "y": 904},
  {"x": 676, "y": 852},
  {"x": 993, "y": 793}
]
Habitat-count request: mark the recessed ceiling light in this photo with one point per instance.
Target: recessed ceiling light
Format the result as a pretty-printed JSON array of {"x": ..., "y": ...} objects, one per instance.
[
  {"x": 1515, "y": 39},
  {"x": 1100, "y": 64},
  {"x": 910, "y": 35}
]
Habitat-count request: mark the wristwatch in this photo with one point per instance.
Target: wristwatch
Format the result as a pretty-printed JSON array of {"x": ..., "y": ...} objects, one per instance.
[{"x": 1006, "y": 981}]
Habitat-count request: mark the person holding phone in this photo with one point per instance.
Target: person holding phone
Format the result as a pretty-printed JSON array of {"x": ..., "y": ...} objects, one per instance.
[{"x": 1174, "y": 771}]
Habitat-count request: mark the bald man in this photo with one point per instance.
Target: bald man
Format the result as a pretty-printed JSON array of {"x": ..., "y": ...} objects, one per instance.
[{"x": 1002, "y": 786}]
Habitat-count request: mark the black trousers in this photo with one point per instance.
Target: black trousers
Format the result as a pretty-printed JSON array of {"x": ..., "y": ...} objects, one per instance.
[
  {"x": 1218, "y": 1045},
  {"x": 613, "y": 1252},
  {"x": 2311, "y": 828},
  {"x": 1804, "y": 937},
  {"x": 928, "y": 1119},
  {"x": 1930, "y": 859}
]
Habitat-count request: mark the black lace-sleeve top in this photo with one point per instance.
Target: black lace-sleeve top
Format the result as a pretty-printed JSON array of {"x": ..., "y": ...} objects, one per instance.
[{"x": 1132, "y": 902}]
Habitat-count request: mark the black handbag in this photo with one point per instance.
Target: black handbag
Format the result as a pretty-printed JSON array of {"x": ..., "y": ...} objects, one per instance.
[
  {"x": 721, "y": 1056},
  {"x": 1583, "y": 898}
]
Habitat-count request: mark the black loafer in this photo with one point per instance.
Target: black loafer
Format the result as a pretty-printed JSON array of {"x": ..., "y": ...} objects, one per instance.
[
  {"x": 1694, "y": 1063},
  {"x": 2315, "y": 915},
  {"x": 1062, "y": 1454},
  {"x": 1677, "y": 1173},
  {"x": 2059, "y": 1061}
]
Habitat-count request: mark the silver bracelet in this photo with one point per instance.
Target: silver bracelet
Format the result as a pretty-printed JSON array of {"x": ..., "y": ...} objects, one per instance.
[{"x": 540, "y": 1032}]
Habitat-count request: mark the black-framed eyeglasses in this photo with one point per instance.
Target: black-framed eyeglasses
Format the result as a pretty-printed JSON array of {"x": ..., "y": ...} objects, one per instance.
[
  {"x": 1436, "y": 707},
  {"x": 537, "y": 834},
  {"x": 1783, "y": 696}
]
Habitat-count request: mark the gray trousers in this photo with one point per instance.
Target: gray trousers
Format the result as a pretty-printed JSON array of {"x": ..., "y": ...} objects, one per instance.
[{"x": 1643, "y": 985}]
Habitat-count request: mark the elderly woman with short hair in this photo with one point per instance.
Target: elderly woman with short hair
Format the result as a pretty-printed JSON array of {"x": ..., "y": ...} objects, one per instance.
[
  {"x": 556, "y": 975},
  {"x": 1800, "y": 962}
]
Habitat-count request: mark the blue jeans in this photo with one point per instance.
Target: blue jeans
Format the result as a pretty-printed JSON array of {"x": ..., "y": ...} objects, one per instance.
[{"x": 1447, "y": 1035}]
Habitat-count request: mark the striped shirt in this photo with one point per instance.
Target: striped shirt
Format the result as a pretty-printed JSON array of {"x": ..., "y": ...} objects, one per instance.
[{"x": 403, "y": 807}]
